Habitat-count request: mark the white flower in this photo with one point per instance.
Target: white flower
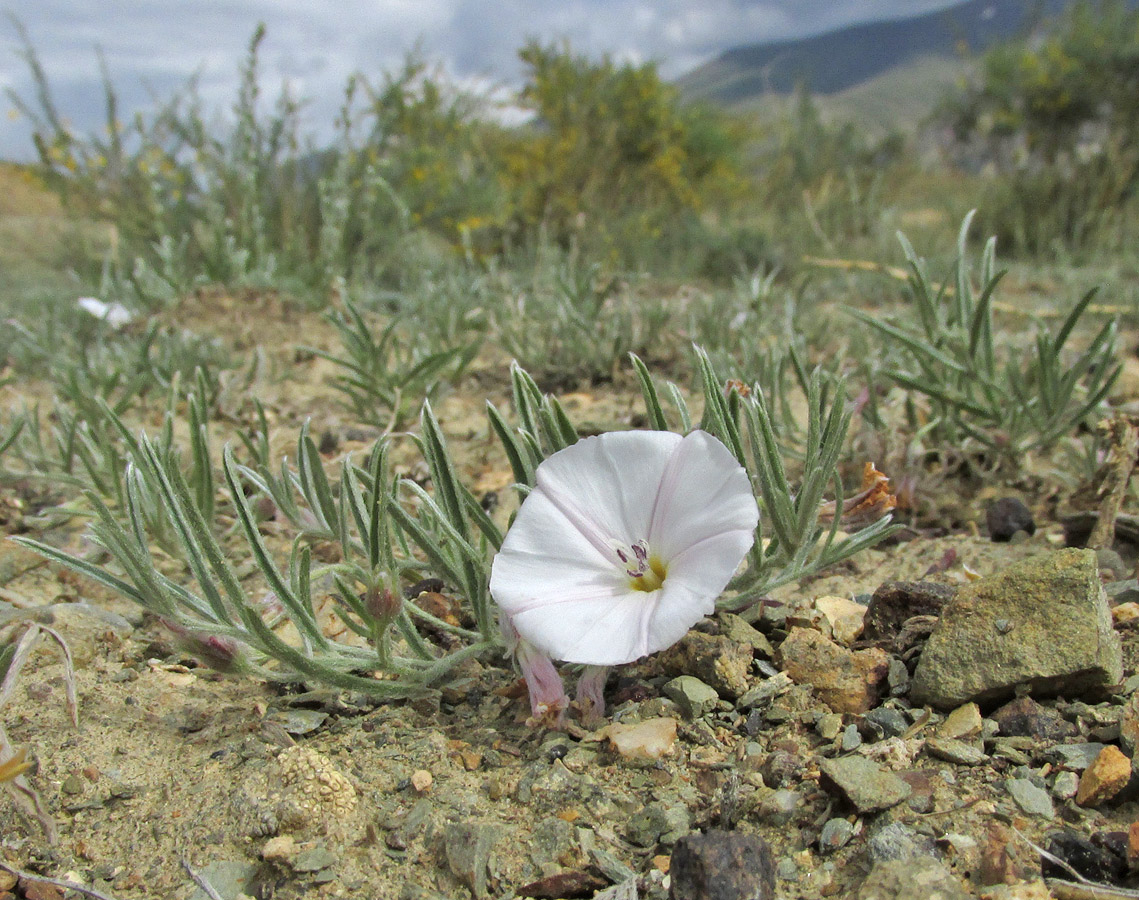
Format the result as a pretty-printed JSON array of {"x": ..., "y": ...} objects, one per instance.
[
  {"x": 114, "y": 314},
  {"x": 624, "y": 544}
]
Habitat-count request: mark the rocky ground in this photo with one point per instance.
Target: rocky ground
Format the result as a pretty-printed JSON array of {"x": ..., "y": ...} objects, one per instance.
[{"x": 946, "y": 716}]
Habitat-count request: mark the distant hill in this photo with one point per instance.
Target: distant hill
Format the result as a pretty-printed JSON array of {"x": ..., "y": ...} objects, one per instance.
[{"x": 839, "y": 60}]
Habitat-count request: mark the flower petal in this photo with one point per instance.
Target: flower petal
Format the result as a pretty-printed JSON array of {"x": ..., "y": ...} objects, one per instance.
[
  {"x": 704, "y": 492},
  {"x": 606, "y": 484}
]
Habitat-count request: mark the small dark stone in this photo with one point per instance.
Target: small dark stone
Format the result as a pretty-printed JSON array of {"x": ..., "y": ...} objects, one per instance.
[
  {"x": 782, "y": 769},
  {"x": 329, "y": 442},
  {"x": 722, "y": 865},
  {"x": 1092, "y": 860},
  {"x": 891, "y": 722},
  {"x": 1024, "y": 717},
  {"x": 896, "y": 601},
  {"x": 575, "y": 883},
  {"x": 1006, "y": 516}
]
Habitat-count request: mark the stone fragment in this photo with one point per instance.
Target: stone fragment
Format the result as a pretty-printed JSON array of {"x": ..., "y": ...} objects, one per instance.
[
  {"x": 835, "y": 835},
  {"x": 1065, "y": 785},
  {"x": 963, "y": 753},
  {"x": 766, "y": 690},
  {"x": 890, "y": 721},
  {"x": 625, "y": 890},
  {"x": 1076, "y": 757},
  {"x": 896, "y": 601},
  {"x": 1024, "y": 717},
  {"x": 722, "y": 865},
  {"x": 650, "y": 739},
  {"x": 1104, "y": 778},
  {"x": 467, "y": 847},
  {"x": 657, "y": 822},
  {"x": 228, "y": 878},
  {"x": 691, "y": 695},
  {"x": 920, "y": 878},
  {"x": 1006, "y": 516},
  {"x": 867, "y": 786},
  {"x": 736, "y": 629},
  {"x": 1091, "y": 860},
  {"x": 782, "y": 769},
  {"x": 1129, "y": 725},
  {"x": 421, "y": 781},
  {"x": 844, "y": 617},
  {"x": 719, "y": 662},
  {"x": 1033, "y": 799},
  {"x": 847, "y": 681},
  {"x": 963, "y": 722},
  {"x": 314, "y": 859},
  {"x": 1043, "y": 622},
  {"x": 570, "y": 883},
  {"x": 896, "y": 841}
]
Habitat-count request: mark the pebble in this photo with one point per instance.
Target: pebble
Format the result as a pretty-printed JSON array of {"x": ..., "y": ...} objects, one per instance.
[
  {"x": 1074, "y": 756},
  {"x": 736, "y": 629},
  {"x": 468, "y": 848},
  {"x": 892, "y": 722},
  {"x": 829, "y": 726},
  {"x": 722, "y": 865},
  {"x": 1024, "y": 717},
  {"x": 896, "y": 601},
  {"x": 844, "y": 616},
  {"x": 1104, "y": 778},
  {"x": 650, "y": 739},
  {"x": 964, "y": 722},
  {"x": 895, "y": 841},
  {"x": 920, "y": 878},
  {"x": 658, "y": 822},
  {"x": 1034, "y": 800},
  {"x": 851, "y": 739},
  {"x": 314, "y": 859},
  {"x": 1006, "y": 516},
  {"x": 765, "y": 691},
  {"x": 691, "y": 695},
  {"x": 228, "y": 877},
  {"x": 964, "y": 753},
  {"x": 867, "y": 786},
  {"x": 835, "y": 835},
  {"x": 716, "y": 660},
  {"x": 1065, "y": 785},
  {"x": 1091, "y": 859},
  {"x": 1042, "y": 621},
  {"x": 847, "y": 681}
]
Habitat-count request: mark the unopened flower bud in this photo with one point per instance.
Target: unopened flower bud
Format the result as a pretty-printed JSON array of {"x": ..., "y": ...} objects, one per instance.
[{"x": 383, "y": 604}]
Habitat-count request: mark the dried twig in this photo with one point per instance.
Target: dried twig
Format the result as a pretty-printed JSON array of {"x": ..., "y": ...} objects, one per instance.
[
  {"x": 62, "y": 883},
  {"x": 1122, "y": 433},
  {"x": 200, "y": 881}
]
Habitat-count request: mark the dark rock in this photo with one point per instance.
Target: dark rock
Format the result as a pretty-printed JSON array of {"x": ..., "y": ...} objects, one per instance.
[
  {"x": 864, "y": 783},
  {"x": 1126, "y": 591},
  {"x": 890, "y": 721},
  {"x": 1006, "y": 516},
  {"x": 1043, "y": 622},
  {"x": 1092, "y": 860},
  {"x": 896, "y": 601},
  {"x": 574, "y": 883},
  {"x": 1024, "y": 717},
  {"x": 782, "y": 769},
  {"x": 722, "y": 865},
  {"x": 920, "y": 878}
]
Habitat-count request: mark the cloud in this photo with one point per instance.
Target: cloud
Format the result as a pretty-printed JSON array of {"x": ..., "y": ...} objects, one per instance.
[{"x": 152, "y": 46}]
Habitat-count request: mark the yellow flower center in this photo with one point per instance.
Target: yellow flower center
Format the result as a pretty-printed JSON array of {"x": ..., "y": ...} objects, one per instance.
[{"x": 652, "y": 578}]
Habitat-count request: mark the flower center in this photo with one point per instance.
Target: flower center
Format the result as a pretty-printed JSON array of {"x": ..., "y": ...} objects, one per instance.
[{"x": 646, "y": 571}]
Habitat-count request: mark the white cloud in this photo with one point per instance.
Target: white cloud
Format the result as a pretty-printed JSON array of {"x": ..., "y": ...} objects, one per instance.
[{"x": 153, "y": 46}]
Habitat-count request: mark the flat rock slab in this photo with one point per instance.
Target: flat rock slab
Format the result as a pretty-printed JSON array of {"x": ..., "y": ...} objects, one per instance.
[
  {"x": 866, "y": 785},
  {"x": 1043, "y": 622}
]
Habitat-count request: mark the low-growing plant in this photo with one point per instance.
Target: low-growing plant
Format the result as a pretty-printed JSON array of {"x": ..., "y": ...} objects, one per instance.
[
  {"x": 391, "y": 532},
  {"x": 1004, "y": 401},
  {"x": 383, "y": 375}
]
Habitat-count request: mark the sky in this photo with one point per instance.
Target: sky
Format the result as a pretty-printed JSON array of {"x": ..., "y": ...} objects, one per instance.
[{"x": 152, "y": 47}]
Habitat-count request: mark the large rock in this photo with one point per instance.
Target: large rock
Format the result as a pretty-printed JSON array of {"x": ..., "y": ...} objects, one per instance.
[
  {"x": 1043, "y": 622},
  {"x": 722, "y": 865}
]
